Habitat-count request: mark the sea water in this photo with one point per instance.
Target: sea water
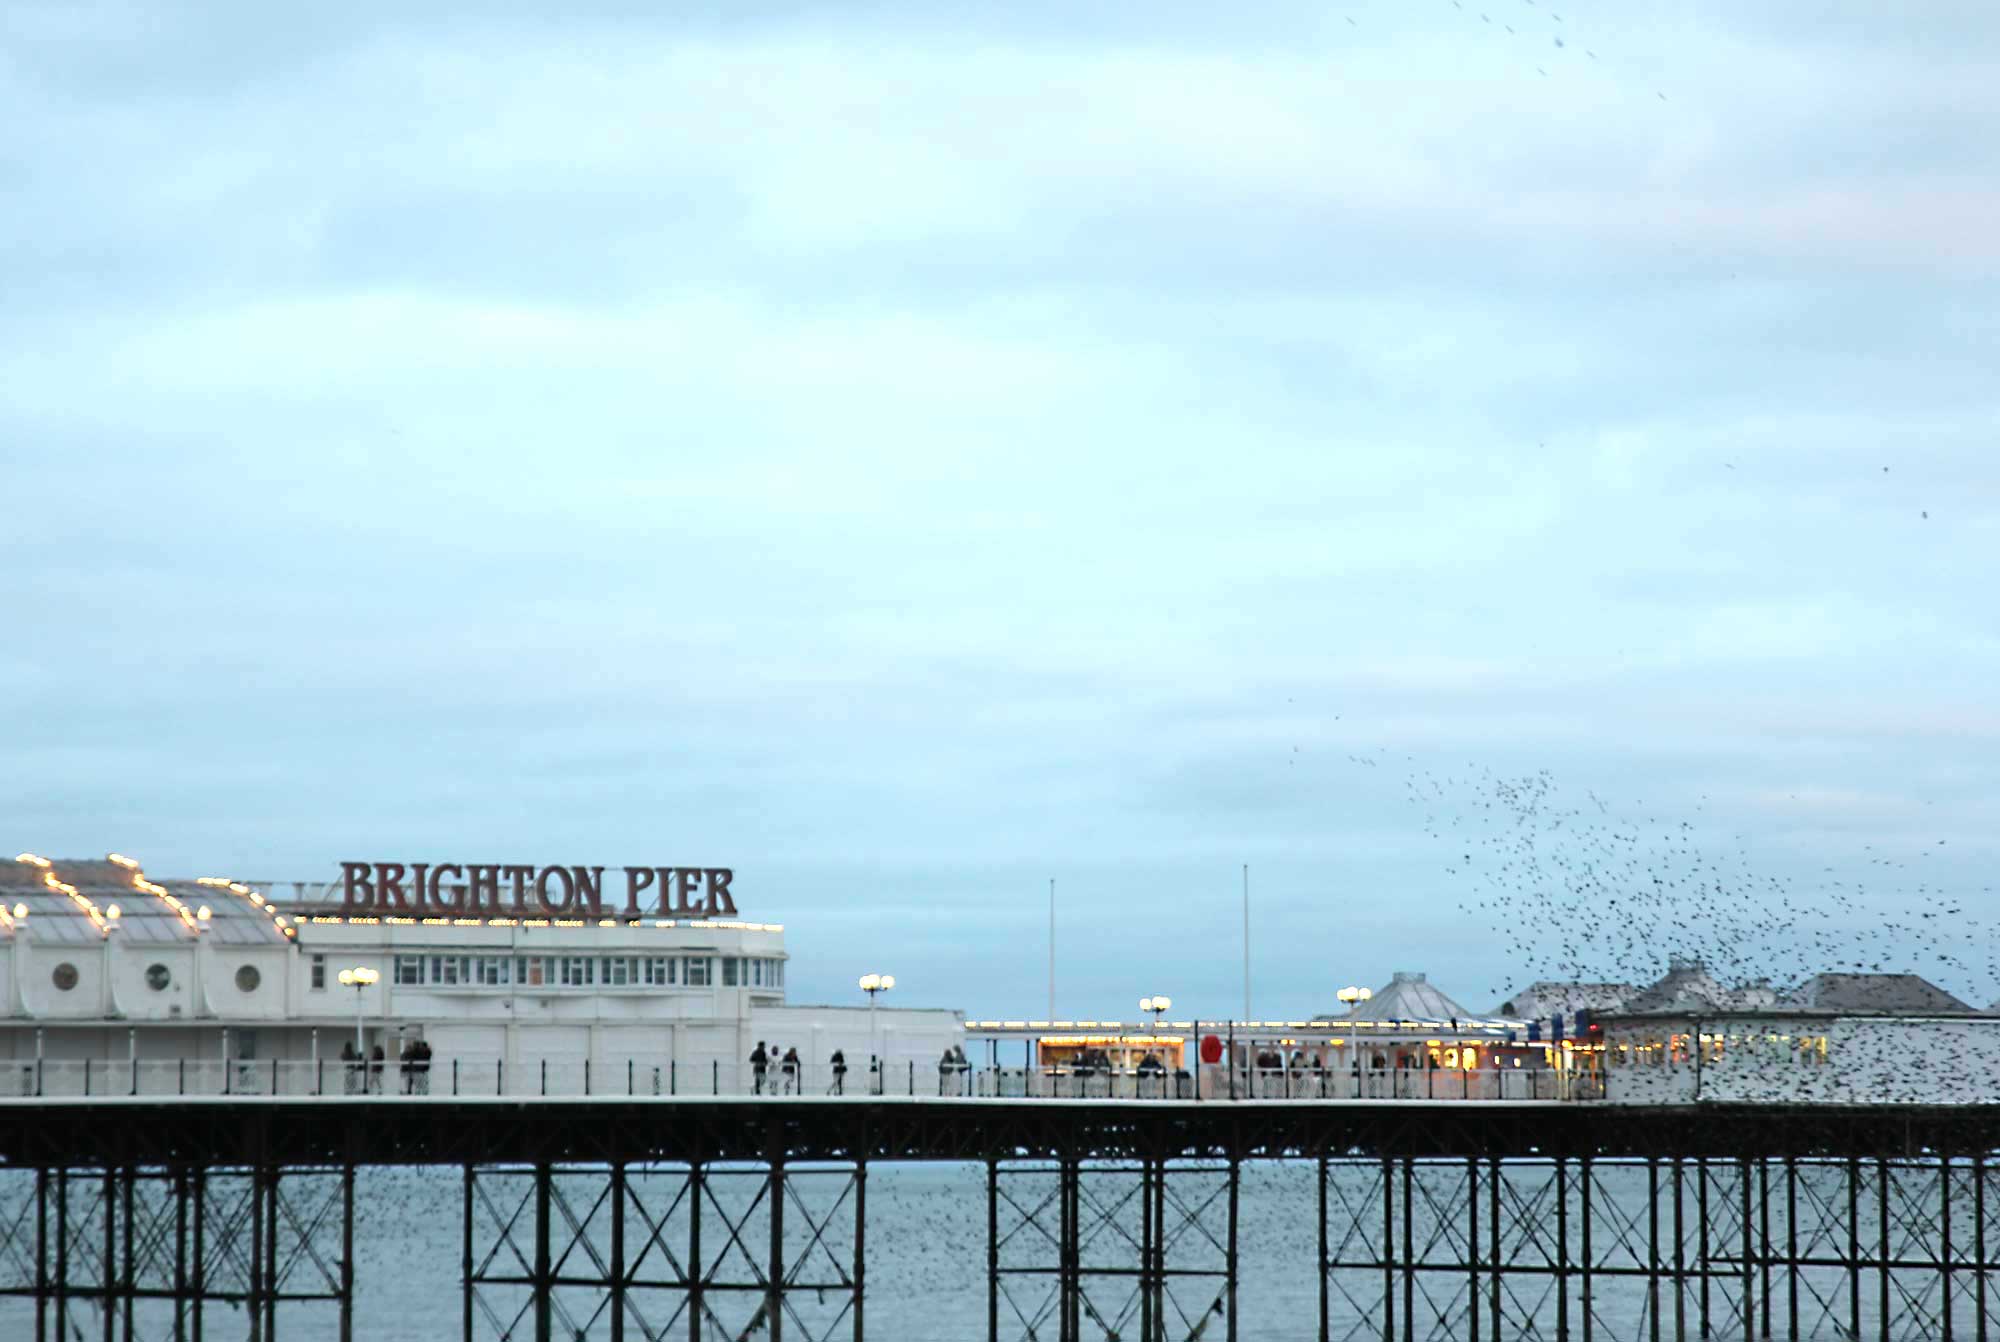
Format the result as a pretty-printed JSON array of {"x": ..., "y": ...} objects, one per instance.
[{"x": 926, "y": 1256}]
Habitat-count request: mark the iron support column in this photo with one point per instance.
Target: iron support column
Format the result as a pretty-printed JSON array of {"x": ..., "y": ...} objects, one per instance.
[
  {"x": 1235, "y": 1171},
  {"x": 465, "y": 1255},
  {"x": 1584, "y": 1179},
  {"x": 860, "y": 1242},
  {"x": 775, "y": 1285},
  {"x": 618, "y": 1244},
  {"x": 992, "y": 1252},
  {"x": 544, "y": 1178},
  {"x": 697, "y": 1268},
  {"x": 1325, "y": 1317},
  {"x": 1471, "y": 1252},
  {"x": 1562, "y": 1249},
  {"x": 1388, "y": 1249}
]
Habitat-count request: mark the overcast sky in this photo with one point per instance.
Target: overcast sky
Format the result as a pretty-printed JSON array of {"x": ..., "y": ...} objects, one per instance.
[{"x": 910, "y": 452}]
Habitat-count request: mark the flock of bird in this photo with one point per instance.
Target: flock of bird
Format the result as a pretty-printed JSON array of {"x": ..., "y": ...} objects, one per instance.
[{"x": 1579, "y": 889}]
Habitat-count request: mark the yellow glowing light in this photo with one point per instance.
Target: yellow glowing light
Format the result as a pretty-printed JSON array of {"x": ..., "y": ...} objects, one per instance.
[
  {"x": 32, "y": 860},
  {"x": 121, "y": 860}
]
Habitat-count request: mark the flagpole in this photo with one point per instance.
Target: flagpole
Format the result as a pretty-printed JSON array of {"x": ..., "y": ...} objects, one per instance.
[{"x": 1246, "y": 941}]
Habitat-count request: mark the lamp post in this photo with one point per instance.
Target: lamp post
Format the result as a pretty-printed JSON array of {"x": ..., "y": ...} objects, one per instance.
[
  {"x": 359, "y": 978},
  {"x": 873, "y": 985},
  {"x": 1158, "y": 1006},
  {"x": 1354, "y": 996}
]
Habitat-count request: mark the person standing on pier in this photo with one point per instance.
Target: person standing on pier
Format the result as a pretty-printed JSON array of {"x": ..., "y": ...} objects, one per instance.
[
  {"x": 760, "y": 1062},
  {"x": 839, "y": 1061},
  {"x": 791, "y": 1069}
]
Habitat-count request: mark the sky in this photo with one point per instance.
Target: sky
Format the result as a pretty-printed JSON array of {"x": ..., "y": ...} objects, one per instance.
[{"x": 911, "y": 453}]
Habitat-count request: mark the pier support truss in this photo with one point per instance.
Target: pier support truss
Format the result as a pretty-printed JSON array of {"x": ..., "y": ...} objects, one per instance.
[
  {"x": 1659, "y": 1248},
  {"x": 126, "y": 1253},
  {"x": 1122, "y": 1251},
  {"x": 701, "y": 1252}
]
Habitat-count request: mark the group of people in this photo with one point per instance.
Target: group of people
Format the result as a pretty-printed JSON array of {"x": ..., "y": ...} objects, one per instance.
[
  {"x": 952, "y": 1064},
  {"x": 1273, "y": 1060},
  {"x": 764, "y": 1055},
  {"x": 364, "y": 1074},
  {"x": 790, "y": 1077},
  {"x": 1096, "y": 1062},
  {"x": 416, "y": 1064}
]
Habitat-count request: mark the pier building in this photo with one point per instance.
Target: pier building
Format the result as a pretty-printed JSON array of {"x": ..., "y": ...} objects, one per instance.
[{"x": 105, "y": 964}]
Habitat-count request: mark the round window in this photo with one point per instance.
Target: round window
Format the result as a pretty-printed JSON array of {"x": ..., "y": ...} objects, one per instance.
[
  {"x": 157, "y": 977},
  {"x": 247, "y": 978},
  {"x": 64, "y": 976}
]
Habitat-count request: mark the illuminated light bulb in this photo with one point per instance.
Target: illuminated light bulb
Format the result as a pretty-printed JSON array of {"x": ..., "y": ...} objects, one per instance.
[
  {"x": 112, "y": 913},
  {"x": 20, "y": 910},
  {"x": 202, "y": 913}
]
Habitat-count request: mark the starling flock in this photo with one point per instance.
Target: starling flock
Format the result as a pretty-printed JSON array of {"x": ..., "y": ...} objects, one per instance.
[{"x": 1577, "y": 888}]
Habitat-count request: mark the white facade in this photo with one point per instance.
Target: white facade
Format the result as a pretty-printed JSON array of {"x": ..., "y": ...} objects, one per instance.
[
  {"x": 1802, "y": 1058},
  {"x": 218, "y": 974}
]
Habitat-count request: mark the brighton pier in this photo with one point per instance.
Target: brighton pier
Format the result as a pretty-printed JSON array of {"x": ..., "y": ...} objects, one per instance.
[{"x": 179, "y": 1149}]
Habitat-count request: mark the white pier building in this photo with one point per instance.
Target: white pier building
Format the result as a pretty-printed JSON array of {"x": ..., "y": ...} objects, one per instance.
[{"x": 518, "y": 980}]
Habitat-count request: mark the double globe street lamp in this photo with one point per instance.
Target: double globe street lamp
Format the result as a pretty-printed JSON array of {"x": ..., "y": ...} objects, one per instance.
[
  {"x": 874, "y": 985},
  {"x": 359, "y": 978},
  {"x": 1158, "y": 1006}
]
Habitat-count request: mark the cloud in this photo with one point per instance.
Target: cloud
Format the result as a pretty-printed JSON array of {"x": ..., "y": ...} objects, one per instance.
[{"x": 909, "y": 453}]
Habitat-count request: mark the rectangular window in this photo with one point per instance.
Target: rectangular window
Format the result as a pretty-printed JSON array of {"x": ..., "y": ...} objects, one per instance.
[
  {"x": 731, "y": 971},
  {"x": 318, "y": 972},
  {"x": 617, "y": 972},
  {"x": 695, "y": 971},
  {"x": 576, "y": 971},
  {"x": 493, "y": 970},
  {"x": 409, "y": 971},
  {"x": 659, "y": 971},
  {"x": 531, "y": 971},
  {"x": 445, "y": 970}
]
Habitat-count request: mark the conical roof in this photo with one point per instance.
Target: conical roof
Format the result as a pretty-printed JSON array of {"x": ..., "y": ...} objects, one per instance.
[
  {"x": 1408, "y": 996},
  {"x": 1686, "y": 986}
]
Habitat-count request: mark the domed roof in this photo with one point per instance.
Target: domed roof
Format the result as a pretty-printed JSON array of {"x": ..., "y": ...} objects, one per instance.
[
  {"x": 70, "y": 900},
  {"x": 1408, "y": 997}
]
